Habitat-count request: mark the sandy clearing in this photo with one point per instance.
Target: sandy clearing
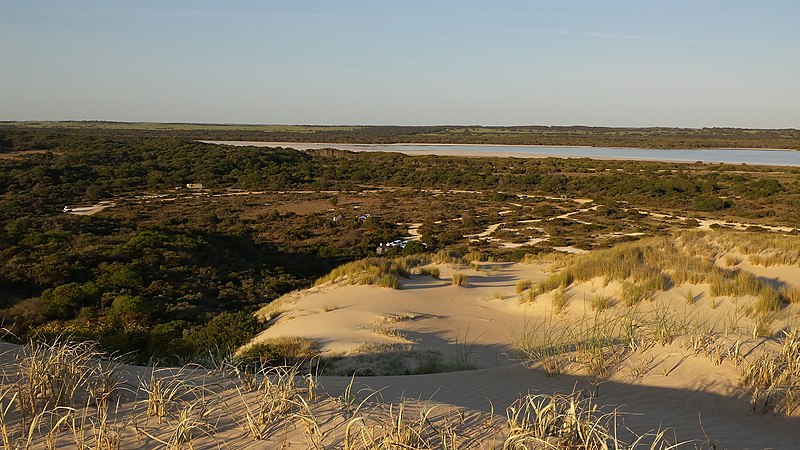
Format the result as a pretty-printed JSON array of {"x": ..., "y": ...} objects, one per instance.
[
  {"x": 489, "y": 230},
  {"x": 439, "y": 316},
  {"x": 705, "y": 224},
  {"x": 88, "y": 210}
]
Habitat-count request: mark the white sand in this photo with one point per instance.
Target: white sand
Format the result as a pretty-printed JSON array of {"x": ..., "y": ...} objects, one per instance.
[{"x": 664, "y": 386}]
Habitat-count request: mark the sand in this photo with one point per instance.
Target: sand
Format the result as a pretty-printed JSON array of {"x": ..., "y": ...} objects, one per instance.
[
  {"x": 677, "y": 384},
  {"x": 666, "y": 386}
]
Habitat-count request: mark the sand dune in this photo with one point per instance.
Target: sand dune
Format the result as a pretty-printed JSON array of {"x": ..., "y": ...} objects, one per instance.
[{"x": 680, "y": 383}]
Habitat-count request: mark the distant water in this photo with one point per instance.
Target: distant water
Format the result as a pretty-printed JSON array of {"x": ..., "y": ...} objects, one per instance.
[{"x": 729, "y": 155}]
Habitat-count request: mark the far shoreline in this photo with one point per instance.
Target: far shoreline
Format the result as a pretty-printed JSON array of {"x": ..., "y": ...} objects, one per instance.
[
  {"x": 425, "y": 144},
  {"x": 457, "y": 150}
]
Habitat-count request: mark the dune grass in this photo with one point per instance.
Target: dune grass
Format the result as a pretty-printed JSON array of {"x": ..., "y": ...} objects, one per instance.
[
  {"x": 776, "y": 378},
  {"x": 75, "y": 397},
  {"x": 430, "y": 271},
  {"x": 602, "y": 302},
  {"x": 384, "y": 272},
  {"x": 657, "y": 264},
  {"x": 460, "y": 279}
]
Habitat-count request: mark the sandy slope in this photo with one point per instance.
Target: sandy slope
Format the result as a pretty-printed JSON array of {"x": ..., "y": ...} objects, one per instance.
[
  {"x": 693, "y": 410},
  {"x": 664, "y": 386},
  {"x": 431, "y": 313}
]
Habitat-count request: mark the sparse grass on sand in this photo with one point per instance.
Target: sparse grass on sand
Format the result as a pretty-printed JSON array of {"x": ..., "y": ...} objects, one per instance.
[
  {"x": 776, "y": 378},
  {"x": 653, "y": 265},
  {"x": 68, "y": 395},
  {"x": 430, "y": 271}
]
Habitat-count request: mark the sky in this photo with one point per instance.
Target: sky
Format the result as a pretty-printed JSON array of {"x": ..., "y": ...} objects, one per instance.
[{"x": 635, "y": 63}]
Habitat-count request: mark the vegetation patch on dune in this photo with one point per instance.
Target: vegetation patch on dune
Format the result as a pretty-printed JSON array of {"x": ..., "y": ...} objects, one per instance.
[
  {"x": 657, "y": 264},
  {"x": 384, "y": 272}
]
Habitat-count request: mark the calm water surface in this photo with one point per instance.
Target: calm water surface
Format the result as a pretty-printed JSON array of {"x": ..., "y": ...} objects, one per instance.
[{"x": 731, "y": 156}]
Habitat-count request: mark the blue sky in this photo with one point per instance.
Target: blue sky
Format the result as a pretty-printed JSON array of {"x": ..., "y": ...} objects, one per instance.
[{"x": 612, "y": 63}]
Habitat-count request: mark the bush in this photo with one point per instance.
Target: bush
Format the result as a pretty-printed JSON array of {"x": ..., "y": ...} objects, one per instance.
[
  {"x": 224, "y": 333},
  {"x": 127, "y": 310},
  {"x": 166, "y": 339},
  {"x": 414, "y": 247},
  {"x": 288, "y": 350},
  {"x": 710, "y": 204},
  {"x": 63, "y": 302}
]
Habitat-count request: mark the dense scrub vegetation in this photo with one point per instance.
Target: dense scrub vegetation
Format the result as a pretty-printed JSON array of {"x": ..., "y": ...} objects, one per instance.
[
  {"x": 655, "y": 137},
  {"x": 155, "y": 282}
]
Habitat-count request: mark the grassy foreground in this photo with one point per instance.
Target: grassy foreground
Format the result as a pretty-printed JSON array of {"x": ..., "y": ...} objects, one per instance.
[{"x": 67, "y": 395}]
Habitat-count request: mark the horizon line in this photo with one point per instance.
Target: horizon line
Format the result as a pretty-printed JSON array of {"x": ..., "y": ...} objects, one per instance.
[{"x": 254, "y": 124}]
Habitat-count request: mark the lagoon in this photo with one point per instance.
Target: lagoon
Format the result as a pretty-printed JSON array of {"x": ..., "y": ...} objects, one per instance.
[{"x": 724, "y": 155}]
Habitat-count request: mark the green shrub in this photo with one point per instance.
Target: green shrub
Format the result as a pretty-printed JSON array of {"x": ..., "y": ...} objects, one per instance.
[
  {"x": 126, "y": 310},
  {"x": 224, "y": 333},
  {"x": 288, "y": 350},
  {"x": 166, "y": 339},
  {"x": 710, "y": 204}
]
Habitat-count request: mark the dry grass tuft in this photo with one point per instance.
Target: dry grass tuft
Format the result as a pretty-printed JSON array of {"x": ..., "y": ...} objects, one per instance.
[
  {"x": 382, "y": 272},
  {"x": 776, "y": 378},
  {"x": 460, "y": 279},
  {"x": 430, "y": 271}
]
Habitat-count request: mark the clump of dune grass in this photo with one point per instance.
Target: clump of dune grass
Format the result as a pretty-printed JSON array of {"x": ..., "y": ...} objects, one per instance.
[
  {"x": 572, "y": 422},
  {"x": 597, "y": 344},
  {"x": 731, "y": 260},
  {"x": 523, "y": 285},
  {"x": 545, "y": 342},
  {"x": 775, "y": 378},
  {"x": 790, "y": 294},
  {"x": 528, "y": 296},
  {"x": 560, "y": 299},
  {"x": 280, "y": 351},
  {"x": 762, "y": 249},
  {"x": 690, "y": 297},
  {"x": 474, "y": 256},
  {"x": 448, "y": 256},
  {"x": 460, "y": 279},
  {"x": 382, "y": 272},
  {"x": 633, "y": 293},
  {"x": 601, "y": 302},
  {"x": 429, "y": 271}
]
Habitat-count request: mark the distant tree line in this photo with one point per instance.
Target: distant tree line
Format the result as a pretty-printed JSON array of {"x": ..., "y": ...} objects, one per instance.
[{"x": 48, "y": 133}]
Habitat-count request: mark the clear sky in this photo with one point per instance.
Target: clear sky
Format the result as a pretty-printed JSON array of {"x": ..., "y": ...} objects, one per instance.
[{"x": 614, "y": 63}]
